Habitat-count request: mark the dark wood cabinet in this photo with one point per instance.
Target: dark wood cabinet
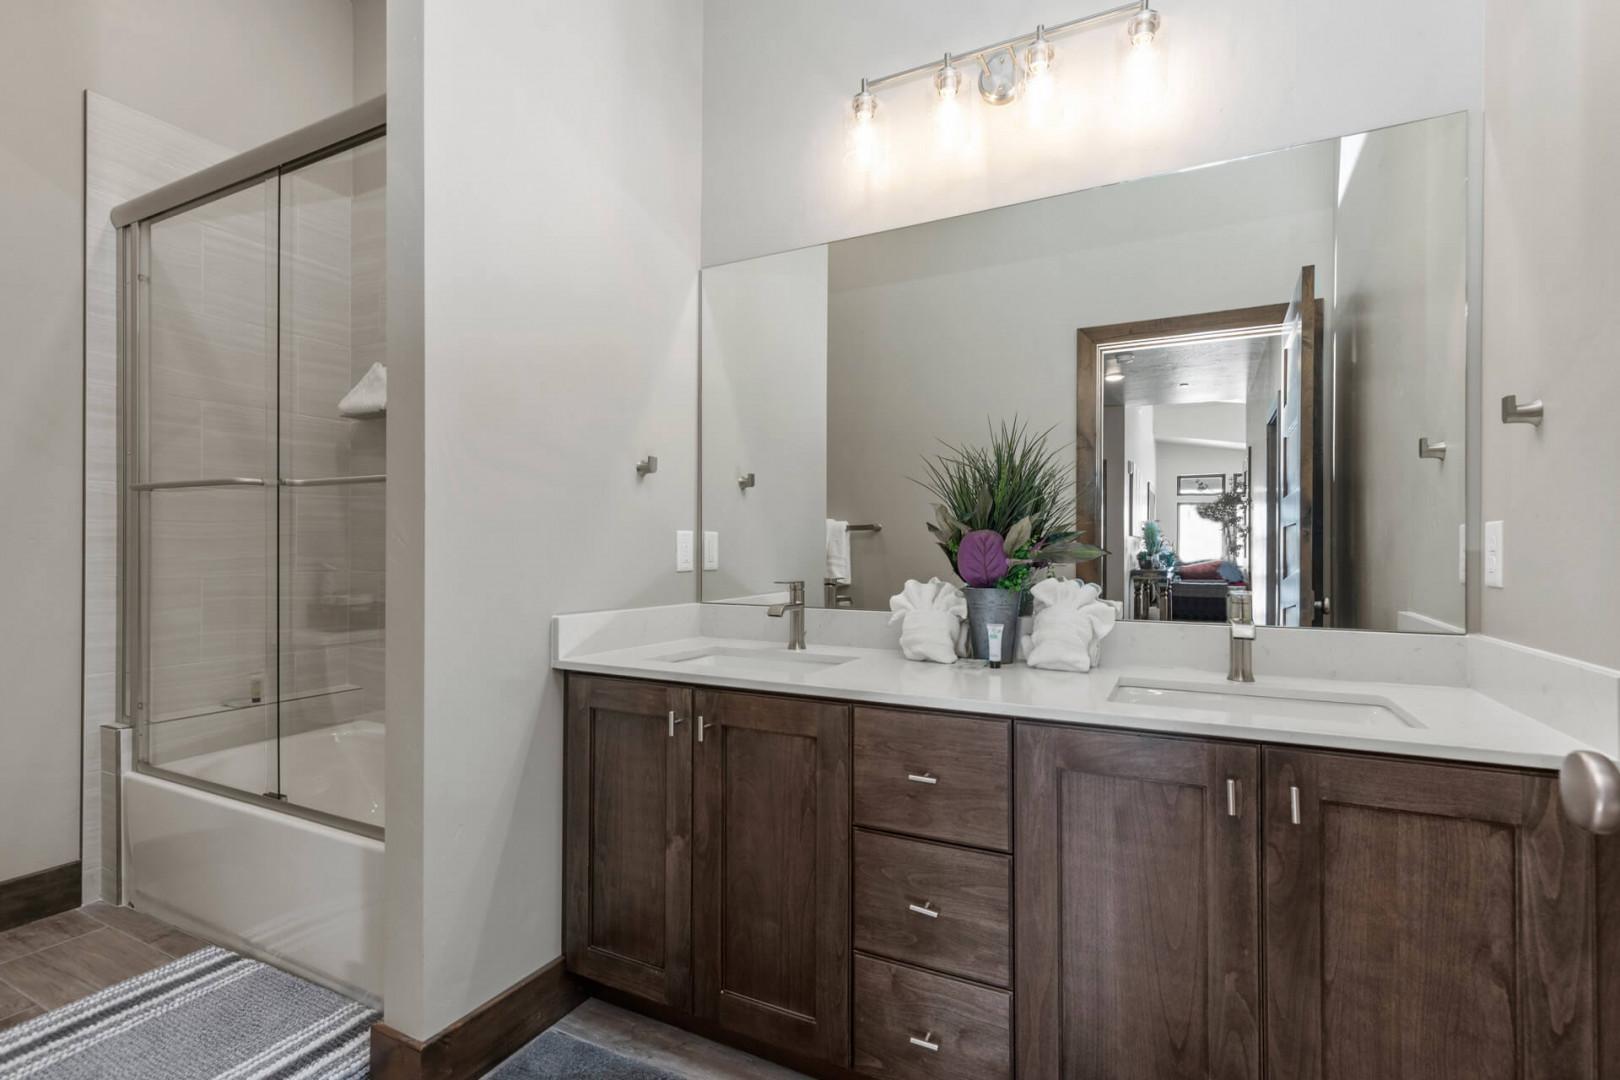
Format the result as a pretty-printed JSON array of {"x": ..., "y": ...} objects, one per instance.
[
  {"x": 1136, "y": 904},
  {"x": 1428, "y": 921},
  {"x": 627, "y": 837},
  {"x": 771, "y": 870}
]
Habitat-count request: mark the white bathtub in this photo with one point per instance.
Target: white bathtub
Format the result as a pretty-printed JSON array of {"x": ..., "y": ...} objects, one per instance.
[{"x": 304, "y": 895}]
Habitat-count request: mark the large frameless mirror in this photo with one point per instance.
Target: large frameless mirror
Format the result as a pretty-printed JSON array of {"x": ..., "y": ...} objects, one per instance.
[{"x": 1245, "y": 376}]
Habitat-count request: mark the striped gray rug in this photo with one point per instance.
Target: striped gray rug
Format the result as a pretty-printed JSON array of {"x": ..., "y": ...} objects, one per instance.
[{"x": 211, "y": 1015}]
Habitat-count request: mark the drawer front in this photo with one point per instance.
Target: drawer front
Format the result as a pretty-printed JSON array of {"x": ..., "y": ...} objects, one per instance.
[
  {"x": 936, "y": 906},
  {"x": 943, "y": 777},
  {"x": 915, "y": 1024}
]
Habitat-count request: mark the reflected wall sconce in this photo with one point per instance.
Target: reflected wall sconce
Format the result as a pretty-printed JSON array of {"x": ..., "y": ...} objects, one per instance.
[
  {"x": 1010, "y": 66},
  {"x": 1529, "y": 413}
]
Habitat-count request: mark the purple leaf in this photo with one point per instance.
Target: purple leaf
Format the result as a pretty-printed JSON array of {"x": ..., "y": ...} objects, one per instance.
[{"x": 980, "y": 560}]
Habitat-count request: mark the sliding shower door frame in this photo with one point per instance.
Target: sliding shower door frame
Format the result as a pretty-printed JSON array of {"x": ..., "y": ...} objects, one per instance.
[{"x": 134, "y": 646}]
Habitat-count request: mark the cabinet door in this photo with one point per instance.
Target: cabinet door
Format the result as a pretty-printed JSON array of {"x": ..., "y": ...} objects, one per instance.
[
  {"x": 1424, "y": 921},
  {"x": 628, "y": 909},
  {"x": 1136, "y": 906},
  {"x": 771, "y": 877}
]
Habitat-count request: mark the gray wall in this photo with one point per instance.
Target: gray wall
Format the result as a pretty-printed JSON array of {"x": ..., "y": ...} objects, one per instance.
[
  {"x": 543, "y": 328},
  {"x": 220, "y": 71},
  {"x": 1552, "y": 108}
]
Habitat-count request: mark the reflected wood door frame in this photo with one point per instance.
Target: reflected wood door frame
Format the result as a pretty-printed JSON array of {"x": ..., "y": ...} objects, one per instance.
[{"x": 1090, "y": 482}]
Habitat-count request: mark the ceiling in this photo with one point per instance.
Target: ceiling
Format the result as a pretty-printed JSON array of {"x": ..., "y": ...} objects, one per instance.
[{"x": 1186, "y": 373}]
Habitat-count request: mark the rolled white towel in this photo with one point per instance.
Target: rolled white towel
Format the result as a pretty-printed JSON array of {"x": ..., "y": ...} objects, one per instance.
[
  {"x": 1070, "y": 623},
  {"x": 930, "y": 614}
]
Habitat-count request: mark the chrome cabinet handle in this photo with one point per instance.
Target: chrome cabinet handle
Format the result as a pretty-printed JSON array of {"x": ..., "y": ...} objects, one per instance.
[
  {"x": 673, "y": 720},
  {"x": 1231, "y": 797},
  {"x": 922, "y": 778},
  {"x": 924, "y": 908},
  {"x": 702, "y": 726},
  {"x": 926, "y": 1042},
  {"x": 1293, "y": 804}
]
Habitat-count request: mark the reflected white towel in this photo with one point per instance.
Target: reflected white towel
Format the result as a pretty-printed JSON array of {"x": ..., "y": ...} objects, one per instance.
[
  {"x": 369, "y": 396},
  {"x": 1070, "y": 623},
  {"x": 838, "y": 551},
  {"x": 930, "y": 614}
]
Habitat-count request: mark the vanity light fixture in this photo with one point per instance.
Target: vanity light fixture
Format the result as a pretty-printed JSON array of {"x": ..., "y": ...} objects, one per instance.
[{"x": 1004, "y": 71}]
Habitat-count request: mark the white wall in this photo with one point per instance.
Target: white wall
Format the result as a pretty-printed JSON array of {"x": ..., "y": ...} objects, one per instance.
[
  {"x": 1552, "y": 110},
  {"x": 937, "y": 329},
  {"x": 1400, "y": 355},
  {"x": 558, "y": 331},
  {"x": 765, "y": 412},
  {"x": 1243, "y": 76},
  {"x": 220, "y": 72}
]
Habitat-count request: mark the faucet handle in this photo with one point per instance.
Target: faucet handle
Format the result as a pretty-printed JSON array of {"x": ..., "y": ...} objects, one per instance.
[{"x": 795, "y": 591}]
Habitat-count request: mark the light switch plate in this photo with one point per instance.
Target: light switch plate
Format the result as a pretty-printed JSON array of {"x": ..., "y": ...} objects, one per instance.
[
  {"x": 1494, "y": 555},
  {"x": 711, "y": 550},
  {"x": 683, "y": 551}
]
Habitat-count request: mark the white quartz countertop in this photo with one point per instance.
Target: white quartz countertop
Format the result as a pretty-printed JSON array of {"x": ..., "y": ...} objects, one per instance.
[{"x": 1449, "y": 722}]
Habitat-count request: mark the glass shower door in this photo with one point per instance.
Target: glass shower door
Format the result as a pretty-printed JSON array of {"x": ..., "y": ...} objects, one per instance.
[
  {"x": 201, "y": 502},
  {"x": 332, "y": 484}
]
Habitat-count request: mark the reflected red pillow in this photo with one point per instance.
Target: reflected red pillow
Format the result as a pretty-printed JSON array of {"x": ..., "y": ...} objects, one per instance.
[{"x": 1200, "y": 571}]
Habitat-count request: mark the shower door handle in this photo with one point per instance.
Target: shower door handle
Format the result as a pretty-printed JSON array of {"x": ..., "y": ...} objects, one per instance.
[
  {"x": 224, "y": 481},
  {"x": 330, "y": 481}
]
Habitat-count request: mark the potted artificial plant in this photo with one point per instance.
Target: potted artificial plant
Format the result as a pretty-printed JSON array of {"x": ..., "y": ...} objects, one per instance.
[{"x": 1004, "y": 518}]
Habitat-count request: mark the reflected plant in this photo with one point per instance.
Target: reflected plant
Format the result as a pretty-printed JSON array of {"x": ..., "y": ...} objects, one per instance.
[{"x": 1018, "y": 487}]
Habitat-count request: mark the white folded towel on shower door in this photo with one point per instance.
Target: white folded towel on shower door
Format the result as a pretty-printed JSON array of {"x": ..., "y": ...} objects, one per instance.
[
  {"x": 931, "y": 615},
  {"x": 1070, "y": 623},
  {"x": 369, "y": 396},
  {"x": 838, "y": 551}
]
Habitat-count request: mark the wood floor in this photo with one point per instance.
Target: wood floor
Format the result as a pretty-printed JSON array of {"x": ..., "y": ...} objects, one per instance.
[
  {"x": 56, "y": 961},
  {"x": 664, "y": 1047}
]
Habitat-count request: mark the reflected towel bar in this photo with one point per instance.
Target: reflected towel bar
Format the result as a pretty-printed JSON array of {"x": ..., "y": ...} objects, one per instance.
[{"x": 873, "y": 528}]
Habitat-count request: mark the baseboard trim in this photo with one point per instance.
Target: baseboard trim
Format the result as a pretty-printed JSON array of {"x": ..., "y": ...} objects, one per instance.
[
  {"x": 495, "y": 1030},
  {"x": 40, "y": 894}
]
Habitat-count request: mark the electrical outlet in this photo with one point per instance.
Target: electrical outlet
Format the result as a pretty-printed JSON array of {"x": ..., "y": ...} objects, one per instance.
[
  {"x": 1462, "y": 554},
  {"x": 1494, "y": 556},
  {"x": 683, "y": 551},
  {"x": 711, "y": 550}
]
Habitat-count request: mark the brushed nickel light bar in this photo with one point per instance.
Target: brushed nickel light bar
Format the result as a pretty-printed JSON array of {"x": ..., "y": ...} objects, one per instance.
[{"x": 1144, "y": 23}]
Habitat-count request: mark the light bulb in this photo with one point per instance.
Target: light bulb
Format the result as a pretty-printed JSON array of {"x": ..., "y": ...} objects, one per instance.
[
  {"x": 947, "y": 81},
  {"x": 1038, "y": 57},
  {"x": 863, "y": 134},
  {"x": 1143, "y": 27}
]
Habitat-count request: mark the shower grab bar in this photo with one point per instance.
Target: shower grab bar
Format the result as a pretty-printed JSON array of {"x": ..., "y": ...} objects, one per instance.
[
  {"x": 227, "y": 481},
  {"x": 329, "y": 481}
]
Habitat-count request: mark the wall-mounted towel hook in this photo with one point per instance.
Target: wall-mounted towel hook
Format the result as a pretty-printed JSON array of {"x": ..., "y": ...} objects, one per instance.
[
  {"x": 1427, "y": 449},
  {"x": 1514, "y": 413},
  {"x": 648, "y": 464},
  {"x": 745, "y": 481}
]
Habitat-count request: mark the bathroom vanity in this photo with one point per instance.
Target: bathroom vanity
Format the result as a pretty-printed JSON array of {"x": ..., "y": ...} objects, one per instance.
[{"x": 1074, "y": 883}]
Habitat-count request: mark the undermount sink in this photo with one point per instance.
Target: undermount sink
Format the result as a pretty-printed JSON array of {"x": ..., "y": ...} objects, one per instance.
[
  {"x": 776, "y": 661},
  {"x": 1265, "y": 705}
]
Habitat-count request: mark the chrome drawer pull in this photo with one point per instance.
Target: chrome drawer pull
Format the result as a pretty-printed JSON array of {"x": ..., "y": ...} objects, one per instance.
[
  {"x": 1293, "y": 805},
  {"x": 926, "y": 1042},
  {"x": 1231, "y": 798},
  {"x": 925, "y": 908},
  {"x": 922, "y": 778}
]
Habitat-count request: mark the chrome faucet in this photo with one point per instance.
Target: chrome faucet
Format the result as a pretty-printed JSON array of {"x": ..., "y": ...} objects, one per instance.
[
  {"x": 794, "y": 610},
  {"x": 1240, "y": 617}
]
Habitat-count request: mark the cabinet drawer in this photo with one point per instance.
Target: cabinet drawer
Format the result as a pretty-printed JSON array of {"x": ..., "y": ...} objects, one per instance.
[
  {"x": 915, "y": 1024},
  {"x": 937, "y": 906},
  {"x": 943, "y": 777}
]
